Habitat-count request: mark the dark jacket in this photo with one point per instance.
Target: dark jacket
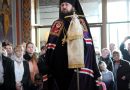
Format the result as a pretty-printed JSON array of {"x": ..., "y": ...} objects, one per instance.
[
  {"x": 8, "y": 76},
  {"x": 124, "y": 52},
  {"x": 27, "y": 57},
  {"x": 42, "y": 65},
  {"x": 123, "y": 70},
  {"x": 26, "y": 81},
  {"x": 108, "y": 62},
  {"x": 43, "y": 70}
]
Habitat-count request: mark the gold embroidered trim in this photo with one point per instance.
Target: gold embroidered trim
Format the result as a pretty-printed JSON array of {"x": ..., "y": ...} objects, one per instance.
[
  {"x": 77, "y": 65},
  {"x": 73, "y": 37}
]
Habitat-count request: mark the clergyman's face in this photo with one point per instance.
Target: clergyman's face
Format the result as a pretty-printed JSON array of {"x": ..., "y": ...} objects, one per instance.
[{"x": 66, "y": 7}]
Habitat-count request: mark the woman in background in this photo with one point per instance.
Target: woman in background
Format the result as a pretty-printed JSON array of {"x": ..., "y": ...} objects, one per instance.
[
  {"x": 31, "y": 57},
  {"x": 121, "y": 71}
]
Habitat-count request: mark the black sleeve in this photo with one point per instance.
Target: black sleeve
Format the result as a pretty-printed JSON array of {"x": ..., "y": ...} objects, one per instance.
[
  {"x": 42, "y": 66},
  {"x": 122, "y": 48},
  {"x": 26, "y": 81}
]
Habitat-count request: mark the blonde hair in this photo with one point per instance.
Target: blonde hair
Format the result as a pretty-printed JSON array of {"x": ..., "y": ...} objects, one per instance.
[
  {"x": 116, "y": 51},
  {"x": 18, "y": 47},
  {"x": 105, "y": 49}
]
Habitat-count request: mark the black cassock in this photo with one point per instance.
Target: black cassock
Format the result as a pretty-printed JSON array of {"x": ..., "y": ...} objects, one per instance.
[{"x": 60, "y": 76}]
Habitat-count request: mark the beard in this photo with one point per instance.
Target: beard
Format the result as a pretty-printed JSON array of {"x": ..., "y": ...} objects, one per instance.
[{"x": 66, "y": 13}]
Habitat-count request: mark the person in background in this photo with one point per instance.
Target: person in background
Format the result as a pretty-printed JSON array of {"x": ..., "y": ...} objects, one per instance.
[
  {"x": 4, "y": 52},
  {"x": 9, "y": 49},
  {"x": 105, "y": 56},
  {"x": 112, "y": 47},
  {"x": 21, "y": 69},
  {"x": 43, "y": 69},
  {"x": 98, "y": 55},
  {"x": 125, "y": 51},
  {"x": 31, "y": 57},
  {"x": 61, "y": 77},
  {"x": 121, "y": 71},
  {"x": 107, "y": 76},
  {"x": 6, "y": 82},
  {"x": 43, "y": 50}
]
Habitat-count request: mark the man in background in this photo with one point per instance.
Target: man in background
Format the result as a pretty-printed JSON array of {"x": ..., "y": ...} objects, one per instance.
[{"x": 6, "y": 82}]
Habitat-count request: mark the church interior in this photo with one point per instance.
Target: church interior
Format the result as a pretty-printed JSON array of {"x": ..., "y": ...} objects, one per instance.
[{"x": 30, "y": 20}]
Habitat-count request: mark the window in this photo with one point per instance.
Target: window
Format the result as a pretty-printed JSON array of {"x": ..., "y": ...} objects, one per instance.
[
  {"x": 117, "y": 11},
  {"x": 96, "y": 35},
  {"x": 118, "y": 20},
  {"x": 117, "y": 32},
  {"x": 92, "y": 11}
]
